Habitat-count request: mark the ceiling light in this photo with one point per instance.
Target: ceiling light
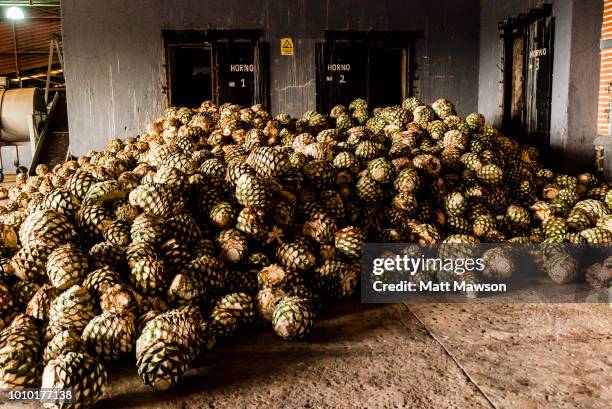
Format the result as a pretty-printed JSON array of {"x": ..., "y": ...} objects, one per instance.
[{"x": 14, "y": 13}]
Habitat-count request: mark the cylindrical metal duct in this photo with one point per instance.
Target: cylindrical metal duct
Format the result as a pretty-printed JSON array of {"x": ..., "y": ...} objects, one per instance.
[
  {"x": 17, "y": 106},
  {"x": 27, "y": 3}
]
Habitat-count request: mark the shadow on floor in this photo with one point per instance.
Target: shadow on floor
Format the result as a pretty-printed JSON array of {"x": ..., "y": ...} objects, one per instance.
[{"x": 257, "y": 354}]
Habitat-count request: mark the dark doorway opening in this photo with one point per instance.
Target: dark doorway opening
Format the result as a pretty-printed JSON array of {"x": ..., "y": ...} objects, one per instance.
[
  {"x": 378, "y": 66},
  {"x": 387, "y": 79},
  {"x": 218, "y": 65},
  {"x": 528, "y": 65},
  {"x": 192, "y": 80}
]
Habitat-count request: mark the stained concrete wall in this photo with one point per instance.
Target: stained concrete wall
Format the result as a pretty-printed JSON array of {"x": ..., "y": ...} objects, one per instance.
[
  {"x": 576, "y": 148},
  {"x": 575, "y": 73},
  {"x": 114, "y": 49}
]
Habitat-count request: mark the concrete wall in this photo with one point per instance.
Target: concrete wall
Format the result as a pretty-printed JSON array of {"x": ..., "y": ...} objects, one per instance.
[
  {"x": 113, "y": 52},
  {"x": 583, "y": 85},
  {"x": 575, "y": 72}
]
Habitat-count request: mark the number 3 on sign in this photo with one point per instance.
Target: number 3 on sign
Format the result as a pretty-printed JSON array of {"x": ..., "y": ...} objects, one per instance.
[{"x": 537, "y": 64}]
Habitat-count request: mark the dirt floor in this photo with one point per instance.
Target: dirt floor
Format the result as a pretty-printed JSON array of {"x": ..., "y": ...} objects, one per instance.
[{"x": 418, "y": 356}]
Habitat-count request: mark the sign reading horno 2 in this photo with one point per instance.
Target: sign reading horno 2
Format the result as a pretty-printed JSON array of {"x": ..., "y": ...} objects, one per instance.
[{"x": 339, "y": 68}]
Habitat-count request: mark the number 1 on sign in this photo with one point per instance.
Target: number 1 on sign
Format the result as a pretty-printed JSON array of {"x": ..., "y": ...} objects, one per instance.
[{"x": 242, "y": 83}]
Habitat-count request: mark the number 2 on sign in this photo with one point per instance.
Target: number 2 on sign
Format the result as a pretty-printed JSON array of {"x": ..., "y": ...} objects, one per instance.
[{"x": 342, "y": 81}]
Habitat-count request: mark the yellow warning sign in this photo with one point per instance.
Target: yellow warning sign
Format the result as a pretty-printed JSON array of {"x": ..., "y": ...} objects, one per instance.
[{"x": 286, "y": 46}]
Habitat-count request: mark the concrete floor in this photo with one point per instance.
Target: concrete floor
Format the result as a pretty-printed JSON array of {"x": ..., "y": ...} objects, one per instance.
[
  {"x": 515, "y": 356},
  {"x": 404, "y": 356},
  {"x": 530, "y": 356},
  {"x": 9, "y": 179}
]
